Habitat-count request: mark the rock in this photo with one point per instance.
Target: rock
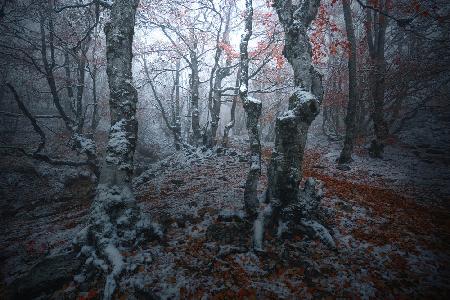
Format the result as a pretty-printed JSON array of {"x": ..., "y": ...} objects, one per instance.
[{"x": 46, "y": 276}]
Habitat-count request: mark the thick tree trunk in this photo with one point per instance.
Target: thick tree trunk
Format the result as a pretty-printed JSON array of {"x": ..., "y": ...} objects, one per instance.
[
  {"x": 285, "y": 202},
  {"x": 352, "y": 106},
  {"x": 292, "y": 127},
  {"x": 116, "y": 221}
]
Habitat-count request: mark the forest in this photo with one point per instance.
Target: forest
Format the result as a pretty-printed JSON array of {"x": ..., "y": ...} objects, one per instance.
[{"x": 224, "y": 149}]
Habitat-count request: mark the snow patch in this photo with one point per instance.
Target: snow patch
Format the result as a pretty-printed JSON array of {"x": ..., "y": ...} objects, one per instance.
[{"x": 304, "y": 96}]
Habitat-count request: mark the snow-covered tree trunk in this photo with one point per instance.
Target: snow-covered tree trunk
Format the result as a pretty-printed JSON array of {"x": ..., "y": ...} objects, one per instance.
[
  {"x": 291, "y": 128},
  {"x": 116, "y": 222},
  {"x": 350, "y": 118},
  {"x": 119, "y": 33},
  {"x": 285, "y": 202},
  {"x": 253, "y": 110}
]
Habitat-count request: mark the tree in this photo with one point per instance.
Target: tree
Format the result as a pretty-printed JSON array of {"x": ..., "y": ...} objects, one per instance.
[
  {"x": 350, "y": 119},
  {"x": 173, "y": 122},
  {"x": 376, "y": 36},
  {"x": 116, "y": 221},
  {"x": 48, "y": 50},
  {"x": 284, "y": 201},
  {"x": 218, "y": 74},
  {"x": 252, "y": 108}
]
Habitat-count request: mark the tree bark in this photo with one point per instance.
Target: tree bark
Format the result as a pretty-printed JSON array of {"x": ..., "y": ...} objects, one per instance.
[
  {"x": 350, "y": 118},
  {"x": 285, "y": 202},
  {"x": 195, "y": 84},
  {"x": 116, "y": 221},
  {"x": 176, "y": 120},
  {"x": 215, "y": 94},
  {"x": 285, "y": 171},
  {"x": 230, "y": 124},
  {"x": 253, "y": 110},
  {"x": 376, "y": 33}
]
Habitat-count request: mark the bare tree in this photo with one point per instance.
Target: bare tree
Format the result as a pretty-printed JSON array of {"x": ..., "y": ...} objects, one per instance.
[
  {"x": 253, "y": 110},
  {"x": 350, "y": 119},
  {"x": 377, "y": 22},
  {"x": 218, "y": 74}
]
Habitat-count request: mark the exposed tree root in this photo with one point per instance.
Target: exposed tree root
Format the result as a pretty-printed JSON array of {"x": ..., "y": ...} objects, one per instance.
[
  {"x": 116, "y": 225},
  {"x": 301, "y": 216}
]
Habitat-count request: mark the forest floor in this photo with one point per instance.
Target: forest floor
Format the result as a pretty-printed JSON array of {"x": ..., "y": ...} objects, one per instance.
[{"x": 390, "y": 219}]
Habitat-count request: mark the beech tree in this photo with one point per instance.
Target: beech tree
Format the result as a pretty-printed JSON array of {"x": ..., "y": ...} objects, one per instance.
[
  {"x": 350, "y": 118},
  {"x": 284, "y": 201},
  {"x": 252, "y": 108},
  {"x": 218, "y": 74},
  {"x": 376, "y": 36},
  {"x": 116, "y": 222}
]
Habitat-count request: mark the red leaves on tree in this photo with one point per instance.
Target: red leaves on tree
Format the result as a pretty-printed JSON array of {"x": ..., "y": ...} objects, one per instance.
[{"x": 229, "y": 51}]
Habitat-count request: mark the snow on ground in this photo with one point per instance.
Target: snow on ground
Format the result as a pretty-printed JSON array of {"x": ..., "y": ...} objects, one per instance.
[{"x": 392, "y": 233}]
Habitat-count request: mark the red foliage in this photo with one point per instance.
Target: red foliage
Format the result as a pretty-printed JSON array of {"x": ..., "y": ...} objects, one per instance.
[{"x": 229, "y": 51}]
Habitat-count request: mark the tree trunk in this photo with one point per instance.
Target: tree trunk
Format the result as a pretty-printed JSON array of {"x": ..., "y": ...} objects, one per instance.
[
  {"x": 116, "y": 221},
  {"x": 177, "y": 118},
  {"x": 81, "y": 75},
  {"x": 215, "y": 95},
  {"x": 253, "y": 110},
  {"x": 286, "y": 204},
  {"x": 230, "y": 125},
  {"x": 195, "y": 83},
  {"x": 221, "y": 74},
  {"x": 95, "y": 118},
  {"x": 350, "y": 118},
  {"x": 376, "y": 33}
]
